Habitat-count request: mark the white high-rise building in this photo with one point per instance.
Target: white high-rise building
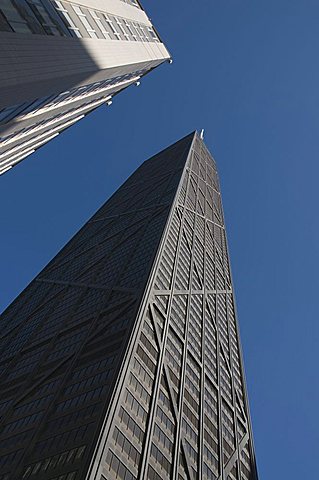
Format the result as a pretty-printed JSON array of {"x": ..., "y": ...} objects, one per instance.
[{"x": 61, "y": 59}]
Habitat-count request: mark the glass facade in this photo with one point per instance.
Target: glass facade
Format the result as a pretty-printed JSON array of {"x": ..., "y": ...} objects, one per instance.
[
  {"x": 30, "y": 16},
  {"x": 121, "y": 360},
  {"x": 64, "y": 18}
]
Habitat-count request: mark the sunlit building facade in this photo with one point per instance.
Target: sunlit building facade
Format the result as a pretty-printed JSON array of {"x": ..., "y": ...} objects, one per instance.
[
  {"x": 122, "y": 359},
  {"x": 61, "y": 59}
]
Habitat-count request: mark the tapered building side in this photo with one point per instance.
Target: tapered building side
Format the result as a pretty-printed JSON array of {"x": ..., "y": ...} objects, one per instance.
[
  {"x": 122, "y": 360},
  {"x": 61, "y": 59}
]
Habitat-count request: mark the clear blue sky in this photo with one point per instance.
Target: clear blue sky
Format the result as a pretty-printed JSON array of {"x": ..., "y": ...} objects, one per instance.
[{"x": 246, "y": 71}]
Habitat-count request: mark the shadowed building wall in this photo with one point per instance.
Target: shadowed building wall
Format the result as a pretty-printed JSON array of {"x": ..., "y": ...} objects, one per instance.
[
  {"x": 62, "y": 59},
  {"x": 122, "y": 360}
]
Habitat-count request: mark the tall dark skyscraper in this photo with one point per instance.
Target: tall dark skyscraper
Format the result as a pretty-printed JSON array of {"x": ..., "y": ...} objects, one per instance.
[
  {"x": 61, "y": 59},
  {"x": 122, "y": 360}
]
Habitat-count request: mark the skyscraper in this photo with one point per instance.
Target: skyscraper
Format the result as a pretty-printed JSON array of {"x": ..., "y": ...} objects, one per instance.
[
  {"x": 61, "y": 59},
  {"x": 122, "y": 359}
]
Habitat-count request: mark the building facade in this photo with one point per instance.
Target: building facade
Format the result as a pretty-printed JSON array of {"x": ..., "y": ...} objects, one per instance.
[
  {"x": 122, "y": 358},
  {"x": 61, "y": 59}
]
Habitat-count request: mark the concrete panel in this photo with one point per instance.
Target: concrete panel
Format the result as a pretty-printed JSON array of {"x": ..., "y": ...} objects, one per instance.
[
  {"x": 115, "y": 7},
  {"x": 28, "y": 60}
]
